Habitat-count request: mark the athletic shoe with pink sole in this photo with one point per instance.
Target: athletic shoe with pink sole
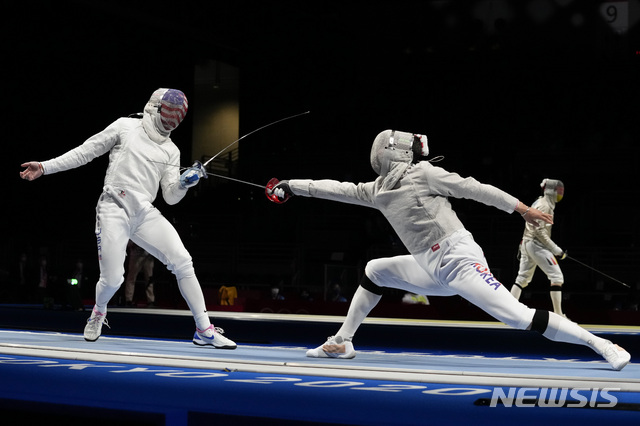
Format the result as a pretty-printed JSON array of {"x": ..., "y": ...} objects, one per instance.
[{"x": 93, "y": 329}]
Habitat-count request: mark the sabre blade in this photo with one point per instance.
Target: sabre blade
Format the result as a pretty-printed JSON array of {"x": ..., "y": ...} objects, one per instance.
[
  {"x": 256, "y": 130},
  {"x": 211, "y": 174},
  {"x": 600, "y": 272},
  {"x": 233, "y": 143},
  {"x": 237, "y": 180}
]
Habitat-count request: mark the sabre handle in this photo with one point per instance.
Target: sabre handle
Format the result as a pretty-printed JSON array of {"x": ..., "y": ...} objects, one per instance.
[
  {"x": 202, "y": 171},
  {"x": 277, "y": 191}
]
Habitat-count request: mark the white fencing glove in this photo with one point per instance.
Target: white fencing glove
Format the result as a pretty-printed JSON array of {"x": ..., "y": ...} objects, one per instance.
[
  {"x": 282, "y": 190},
  {"x": 278, "y": 192},
  {"x": 192, "y": 175}
]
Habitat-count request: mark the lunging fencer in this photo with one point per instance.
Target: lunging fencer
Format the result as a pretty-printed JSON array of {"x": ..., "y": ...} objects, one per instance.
[
  {"x": 538, "y": 250},
  {"x": 142, "y": 159},
  {"x": 444, "y": 259}
]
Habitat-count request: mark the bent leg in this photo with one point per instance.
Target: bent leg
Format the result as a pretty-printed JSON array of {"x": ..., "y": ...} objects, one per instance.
[
  {"x": 362, "y": 303},
  {"x": 160, "y": 239},
  {"x": 405, "y": 273},
  {"x": 548, "y": 263},
  {"x": 401, "y": 272}
]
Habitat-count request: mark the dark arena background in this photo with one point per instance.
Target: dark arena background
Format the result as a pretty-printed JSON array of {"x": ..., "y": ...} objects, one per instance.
[{"x": 509, "y": 92}]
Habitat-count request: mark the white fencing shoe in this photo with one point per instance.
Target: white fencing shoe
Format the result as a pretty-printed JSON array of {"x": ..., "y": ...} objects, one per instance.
[
  {"x": 213, "y": 336},
  {"x": 93, "y": 329},
  {"x": 616, "y": 356},
  {"x": 334, "y": 347}
]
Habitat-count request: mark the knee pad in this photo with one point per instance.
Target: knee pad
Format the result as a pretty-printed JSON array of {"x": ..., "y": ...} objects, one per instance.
[
  {"x": 522, "y": 286},
  {"x": 540, "y": 321},
  {"x": 369, "y": 285}
]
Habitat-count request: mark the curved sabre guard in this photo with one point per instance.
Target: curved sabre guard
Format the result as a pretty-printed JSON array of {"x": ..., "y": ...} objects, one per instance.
[{"x": 268, "y": 191}]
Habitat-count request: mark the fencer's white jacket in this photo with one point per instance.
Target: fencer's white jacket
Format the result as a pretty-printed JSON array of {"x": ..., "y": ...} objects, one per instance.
[
  {"x": 137, "y": 165},
  {"x": 542, "y": 234},
  {"x": 417, "y": 206}
]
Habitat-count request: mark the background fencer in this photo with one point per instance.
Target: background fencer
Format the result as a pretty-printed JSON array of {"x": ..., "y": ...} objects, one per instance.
[
  {"x": 142, "y": 159},
  {"x": 537, "y": 249},
  {"x": 139, "y": 260},
  {"x": 444, "y": 259}
]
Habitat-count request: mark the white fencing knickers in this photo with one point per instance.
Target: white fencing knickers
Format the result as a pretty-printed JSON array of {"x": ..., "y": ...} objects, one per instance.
[
  {"x": 152, "y": 232},
  {"x": 456, "y": 265},
  {"x": 533, "y": 254}
]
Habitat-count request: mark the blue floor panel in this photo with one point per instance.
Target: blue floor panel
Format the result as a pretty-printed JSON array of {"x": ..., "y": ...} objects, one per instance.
[
  {"x": 180, "y": 393},
  {"x": 177, "y": 394},
  {"x": 413, "y": 375}
]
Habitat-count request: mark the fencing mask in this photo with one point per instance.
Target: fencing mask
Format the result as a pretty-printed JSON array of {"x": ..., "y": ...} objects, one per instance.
[
  {"x": 394, "y": 146},
  {"x": 553, "y": 188},
  {"x": 168, "y": 108}
]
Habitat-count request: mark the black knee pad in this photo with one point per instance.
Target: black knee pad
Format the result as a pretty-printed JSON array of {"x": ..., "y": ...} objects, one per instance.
[
  {"x": 369, "y": 285},
  {"x": 540, "y": 321}
]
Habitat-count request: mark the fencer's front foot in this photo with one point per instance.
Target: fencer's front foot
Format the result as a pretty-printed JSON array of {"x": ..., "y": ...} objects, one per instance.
[
  {"x": 93, "y": 329},
  {"x": 213, "y": 336},
  {"x": 334, "y": 347},
  {"x": 616, "y": 356}
]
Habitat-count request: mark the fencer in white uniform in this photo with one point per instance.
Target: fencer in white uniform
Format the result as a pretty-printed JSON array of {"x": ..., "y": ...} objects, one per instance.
[
  {"x": 142, "y": 160},
  {"x": 537, "y": 249},
  {"x": 444, "y": 259}
]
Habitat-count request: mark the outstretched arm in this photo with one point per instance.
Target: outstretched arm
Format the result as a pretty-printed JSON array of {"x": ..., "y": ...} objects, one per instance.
[
  {"x": 532, "y": 215},
  {"x": 33, "y": 170},
  {"x": 345, "y": 192},
  {"x": 92, "y": 148},
  {"x": 451, "y": 184}
]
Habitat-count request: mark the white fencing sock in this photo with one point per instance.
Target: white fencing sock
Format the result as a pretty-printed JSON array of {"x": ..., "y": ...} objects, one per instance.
[
  {"x": 561, "y": 329},
  {"x": 192, "y": 293},
  {"x": 362, "y": 303}
]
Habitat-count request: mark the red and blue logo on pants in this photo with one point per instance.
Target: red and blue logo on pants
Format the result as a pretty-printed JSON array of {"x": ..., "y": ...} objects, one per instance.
[{"x": 486, "y": 275}]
